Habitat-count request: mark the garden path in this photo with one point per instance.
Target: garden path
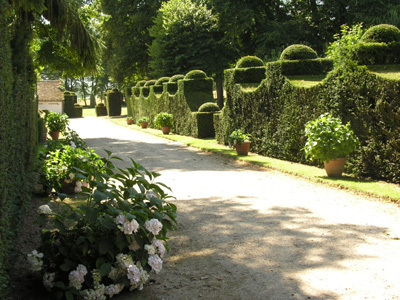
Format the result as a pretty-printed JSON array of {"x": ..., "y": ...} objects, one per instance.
[{"x": 251, "y": 233}]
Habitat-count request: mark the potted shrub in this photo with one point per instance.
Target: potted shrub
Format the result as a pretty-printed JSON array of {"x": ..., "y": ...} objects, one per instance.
[
  {"x": 240, "y": 141},
  {"x": 56, "y": 123},
  {"x": 129, "y": 121},
  {"x": 165, "y": 121},
  {"x": 143, "y": 122},
  {"x": 329, "y": 141}
]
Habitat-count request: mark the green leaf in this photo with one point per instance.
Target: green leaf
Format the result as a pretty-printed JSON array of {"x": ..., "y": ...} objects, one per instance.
[
  {"x": 99, "y": 196},
  {"x": 105, "y": 246},
  {"x": 105, "y": 269},
  {"x": 59, "y": 225},
  {"x": 69, "y": 295}
]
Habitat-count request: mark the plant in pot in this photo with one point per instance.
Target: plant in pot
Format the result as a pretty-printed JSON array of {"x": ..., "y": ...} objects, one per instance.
[
  {"x": 240, "y": 141},
  {"x": 56, "y": 123},
  {"x": 129, "y": 120},
  {"x": 143, "y": 122},
  {"x": 329, "y": 141},
  {"x": 165, "y": 121}
]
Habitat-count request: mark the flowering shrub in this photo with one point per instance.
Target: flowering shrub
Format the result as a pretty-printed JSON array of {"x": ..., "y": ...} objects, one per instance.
[{"x": 112, "y": 242}]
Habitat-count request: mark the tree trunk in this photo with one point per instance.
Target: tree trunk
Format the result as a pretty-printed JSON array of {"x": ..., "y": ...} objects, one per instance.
[
  {"x": 219, "y": 80},
  {"x": 83, "y": 89},
  {"x": 93, "y": 93}
]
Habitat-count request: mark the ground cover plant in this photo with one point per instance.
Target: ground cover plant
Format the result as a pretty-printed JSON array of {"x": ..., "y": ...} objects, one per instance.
[{"x": 114, "y": 240}]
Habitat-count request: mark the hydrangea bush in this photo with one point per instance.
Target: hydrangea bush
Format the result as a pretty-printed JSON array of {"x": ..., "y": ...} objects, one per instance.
[{"x": 112, "y": 242}]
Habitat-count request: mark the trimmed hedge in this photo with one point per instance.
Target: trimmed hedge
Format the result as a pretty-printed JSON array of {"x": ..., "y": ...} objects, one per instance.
[
  {"x": 248, "y": 75},
  {"x": 276, "y": 112},
  {"x": 203, "y": 124},
  {"x": 298, "y": 52},
  {"x": 305, "y": 66},
  {"x": 177, "y": 77},
  {"x": 70, "y": 108},
  {"x": 114, "y": 102},
  {"x": 209, "y": 107},
  {"x": 382, "y": 33},
  {"x": 196, "y": 74},
  {"x": 376, "y": 53},
  {"x": 249, "y": 61},
  {"x": 101, "y": 110}
]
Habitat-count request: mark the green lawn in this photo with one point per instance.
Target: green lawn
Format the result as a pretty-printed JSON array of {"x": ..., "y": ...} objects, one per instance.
[
  {"x": 305, "y": 81},
  {"x": 387, "y": 71},
  {"x": 379, "y": 189}
]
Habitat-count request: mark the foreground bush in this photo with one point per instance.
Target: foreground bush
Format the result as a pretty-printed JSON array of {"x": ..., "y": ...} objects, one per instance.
[{"x": 112, "y": 242}]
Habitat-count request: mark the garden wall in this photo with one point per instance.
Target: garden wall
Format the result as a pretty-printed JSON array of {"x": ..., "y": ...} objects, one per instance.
[{"x": 275, "y": 114}]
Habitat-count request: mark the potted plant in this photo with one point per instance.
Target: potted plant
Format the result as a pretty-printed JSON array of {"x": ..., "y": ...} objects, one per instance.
[
  {"x": 129, "y": 120},
  {"x": 143, "y": 122},
  {"x": 330, "y": 141},
  {"x": 240, "y": 141},
  {"x": 56, "y": 123},
  {"x": 165, "y": 121}
]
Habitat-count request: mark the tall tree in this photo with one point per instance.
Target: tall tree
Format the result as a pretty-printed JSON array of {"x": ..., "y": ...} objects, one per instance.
[
  {"x": 186, "y": 37},
  {"x": 126, "y": 36}
]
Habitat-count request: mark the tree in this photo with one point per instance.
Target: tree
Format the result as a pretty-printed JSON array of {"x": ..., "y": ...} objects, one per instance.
[
  {"x": 126, "y": 37},
  {"x": 187, "y": 37}
]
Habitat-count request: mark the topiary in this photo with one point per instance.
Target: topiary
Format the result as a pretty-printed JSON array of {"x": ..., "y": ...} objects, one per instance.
[
  {"x": 196, "y": 74},
  {"x": 140, "y": 83},
  {"x": 161, "y": 80},
  {"x": 150, "y": 82},
  {"x": 209, "y": 107},
  {"x": 175, "y": 78},
  {"x": 382, "y": 33},
  {"x": 249, "y": 61},
  {"x": 297, "y": 52}
]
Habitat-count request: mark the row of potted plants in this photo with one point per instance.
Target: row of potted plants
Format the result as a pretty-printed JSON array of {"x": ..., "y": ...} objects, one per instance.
[{"x": 163, "y": 120}]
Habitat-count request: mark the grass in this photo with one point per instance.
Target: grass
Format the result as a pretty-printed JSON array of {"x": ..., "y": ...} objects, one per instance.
[
  {"x": 386, "y": 71},
  {"x": 374, "y": 188},
  {"x": 305, "y": 81},
  {"x": 91, "y": 112}
]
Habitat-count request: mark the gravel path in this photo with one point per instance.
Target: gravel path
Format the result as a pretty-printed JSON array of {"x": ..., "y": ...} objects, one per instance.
[{"x": 249, "y": 233}]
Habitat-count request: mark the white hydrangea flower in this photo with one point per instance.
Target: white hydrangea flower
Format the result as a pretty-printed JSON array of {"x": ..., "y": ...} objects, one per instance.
[
  {"x": 144, "y": 277},
  {"x": 155, "y": 263},
  {"x": 153, "y": 225},
  {"x": 35, "y": 261},
  {"x": 130, "y": 227},
  {"x": 124, "y": 260},
  {"x": 151, "y": 250},
  {"x": 134, "y": 246},
  {"x": 78, "y": 187},
  {"x": 96, "y": 274},
  {"x": 151, "y": 194},
  {"x": 48, "y": 280},
  {"x": 133, "y": 274},
  {"x": 85, "y": 184},
  {"x": 77, "y": 277},
  {"x": 96, "y": 294},
  {"x": 44, "y": 210},
  {"x": 159, "y": 247},
  {"x": 113, "y": 289},
  {"x": 120, "y": 219},
  {"x": 72, "y": 144},
  {"x": 71, "y": 176}
]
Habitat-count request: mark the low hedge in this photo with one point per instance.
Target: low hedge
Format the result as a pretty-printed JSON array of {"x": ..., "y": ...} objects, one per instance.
[
  {"x": 203, "y": 124},
  {"x": 114, "y": 102},
  {"x": 247, "y": 75},
  {"x": 376, "y": 53},
  {"x": 305, "y": 66}
]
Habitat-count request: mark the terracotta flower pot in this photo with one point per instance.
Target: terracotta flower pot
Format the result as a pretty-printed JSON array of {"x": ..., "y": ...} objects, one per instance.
[
  {"x": 243, "y": 148},
  {"x": 335, "y": 167},
  {"x": 144, "y": 124},
  {"x": 129, "y": 121},
  {"x": 55, "y": 135},
  {"x": 165, "y": 129}
]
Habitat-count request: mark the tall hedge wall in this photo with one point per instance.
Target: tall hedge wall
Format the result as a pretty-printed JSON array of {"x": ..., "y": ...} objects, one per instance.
[
  {"x": 276, "y": 112},
  {"x": 18, "y": 134},
  {"x": 114, "y": 102},
  {"x": 182, "y": 99}
]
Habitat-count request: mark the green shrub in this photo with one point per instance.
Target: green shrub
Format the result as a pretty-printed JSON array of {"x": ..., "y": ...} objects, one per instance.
[
  {"x": 171, "y": 87},
  {"x": 248, "y": 75},
  {"x": 150, "y": 83},
  {"x": 177, "y": 77},
  {"x": 249, "y": 61},
  {"x": 375, "y": 53},
  {"x": 209, "y": 107},
  {"x": 57, "y": 122},
  {"x": 101, "y": 110},
  {"x": 114, "y": 102},
  {"x": 382, "y": 33},
  {"x": 317, "y": 66},
  {"x": 161, "y": 80},
  {"x": 140, "y": 83},
  {"x": 164, "y": 120},
  {"x": 197, "y": 91},
  {"x": 196, "y": 74},
  {"x": 203, "y": 125},
  {"x": 70, "y": 99},
  {"x": 298, "y": 52}
]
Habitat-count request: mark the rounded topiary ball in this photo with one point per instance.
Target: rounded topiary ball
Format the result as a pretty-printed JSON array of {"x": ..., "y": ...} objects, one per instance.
[
  {"x": 249, "y": 61},
  {"x": 209, "y": 107},
  {"x": 177, "y": 77},
  {"x": 196, "y": 74},
  {"x": 161, "y": 80},
  {"x": 150, "y": 82},
  {"x": 382, "y": 33},
  {"x": 297, "y": 52}
]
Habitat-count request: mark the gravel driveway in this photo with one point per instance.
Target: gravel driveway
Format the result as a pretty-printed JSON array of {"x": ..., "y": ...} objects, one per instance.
[{"x": 249, "y": 233}]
